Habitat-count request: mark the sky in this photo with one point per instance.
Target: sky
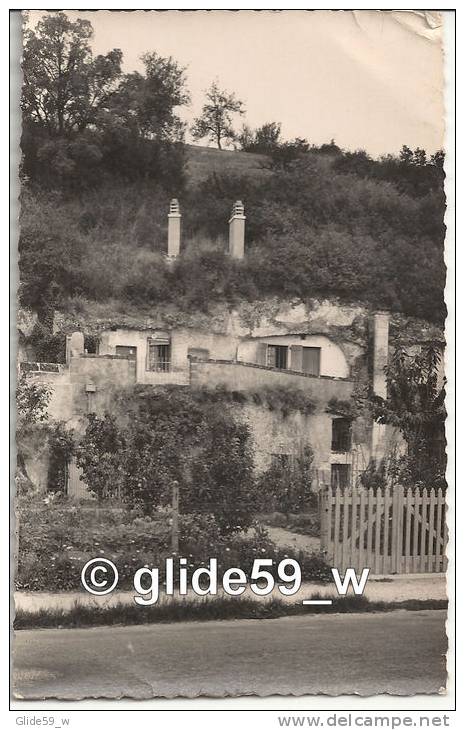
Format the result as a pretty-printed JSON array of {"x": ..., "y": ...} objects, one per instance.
[{"x": 368, "y": 79}]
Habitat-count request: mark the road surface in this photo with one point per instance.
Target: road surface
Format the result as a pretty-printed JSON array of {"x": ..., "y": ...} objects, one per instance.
[{"x": 400, "y": 652}]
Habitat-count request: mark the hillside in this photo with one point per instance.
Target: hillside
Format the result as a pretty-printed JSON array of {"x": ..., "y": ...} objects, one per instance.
[{"x": 336, "y": 226}]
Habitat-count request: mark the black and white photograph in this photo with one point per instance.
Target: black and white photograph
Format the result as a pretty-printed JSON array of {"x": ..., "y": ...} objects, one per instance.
[{"x": 231, "y": 366}]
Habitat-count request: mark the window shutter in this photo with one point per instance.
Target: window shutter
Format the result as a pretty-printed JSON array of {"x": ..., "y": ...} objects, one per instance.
[
  {"x": 296, "y": 357},
  {"x": 311, "y": 360},
  {"x": 262, "y": 348}
]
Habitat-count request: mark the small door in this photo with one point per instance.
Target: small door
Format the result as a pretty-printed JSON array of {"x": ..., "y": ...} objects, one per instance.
[{"x": 311, "y": 357}]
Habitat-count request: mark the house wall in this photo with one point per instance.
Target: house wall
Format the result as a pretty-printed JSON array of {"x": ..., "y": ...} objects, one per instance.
[
  {"x": 60, "y": 405},
  {"x": 233, "y": 353},
  {"x": 68, "y": 396},
  {"x": 107, "y": 373},
  {"x": 334, "y": 363},
  {"x": 70, "y": 402},
  {"x": 274, "y": 433},
  {"x": 219, "y": 346},
  {"x": 245, "y": 376}
]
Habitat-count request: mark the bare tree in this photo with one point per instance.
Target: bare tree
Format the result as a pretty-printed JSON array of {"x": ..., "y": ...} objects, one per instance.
[{"x": 216, "y": 119}]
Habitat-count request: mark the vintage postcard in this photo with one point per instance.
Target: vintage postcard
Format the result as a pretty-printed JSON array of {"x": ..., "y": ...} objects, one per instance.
[{"x": 231, "y": 417}]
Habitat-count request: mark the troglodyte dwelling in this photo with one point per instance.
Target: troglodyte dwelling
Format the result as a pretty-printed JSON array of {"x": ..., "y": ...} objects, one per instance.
[{"x": 322, "y": 348}]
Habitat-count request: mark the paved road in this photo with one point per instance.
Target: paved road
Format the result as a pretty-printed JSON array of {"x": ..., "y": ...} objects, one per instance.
[{"x": 400, "y": 652}]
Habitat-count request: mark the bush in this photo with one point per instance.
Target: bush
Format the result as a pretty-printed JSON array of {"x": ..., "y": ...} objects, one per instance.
[
  {"x": 325, "y": 223},
  {"x": 287, "y": 485},
  {"x": 48, "y": 347},
  {"x": 61, "y": 446},
  {"x": 141, "y": 456}
]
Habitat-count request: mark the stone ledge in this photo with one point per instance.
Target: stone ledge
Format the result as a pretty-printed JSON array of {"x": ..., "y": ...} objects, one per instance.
[
  {"x": 41, "y": 367},
  {"x": 268, "y": 368},
  {"x": 105, "y": 357}
]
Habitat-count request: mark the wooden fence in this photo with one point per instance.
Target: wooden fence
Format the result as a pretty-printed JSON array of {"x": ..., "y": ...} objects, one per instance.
[{"x": 387, "y": 530}]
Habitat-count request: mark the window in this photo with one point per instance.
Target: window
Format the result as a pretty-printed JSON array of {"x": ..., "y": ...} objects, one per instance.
[
  {"x": 311, "y": 357},
  {"x": 341, "y": 434},
  {"x": 90, "y": 394},
  {"x": 158, "y": 356},
  {"x": 91, "y": 344},
  {"x": 277, "y": 356},
  {"x": 340, "y": 475},
  {"x": 126, "y": 351}
]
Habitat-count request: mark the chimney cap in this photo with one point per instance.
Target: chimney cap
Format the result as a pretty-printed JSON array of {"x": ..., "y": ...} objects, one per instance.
[
  {"x": 174, "y": 206},
  {"x": 238, "y": 208},
  {"x": 381, "y": 313}
]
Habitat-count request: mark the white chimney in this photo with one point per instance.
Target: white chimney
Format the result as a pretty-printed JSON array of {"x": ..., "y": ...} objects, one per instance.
[
  {"x": 380, "y": 352},
  {"x": 174, "y": 229},
  {"x": 380, "y": 361},
  {"x": 237, "y": 231}
]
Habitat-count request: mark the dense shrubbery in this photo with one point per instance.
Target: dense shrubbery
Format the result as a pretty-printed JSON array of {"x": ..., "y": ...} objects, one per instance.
[
  {"x": 173, "y": 437},
  {"x": 415, "y": 405},
  {"x": 286, "y": 485},
  {"x": 313, "y": 230},
  {"x": 57, "y": 538},
  {"x": 36, "y": 433}
]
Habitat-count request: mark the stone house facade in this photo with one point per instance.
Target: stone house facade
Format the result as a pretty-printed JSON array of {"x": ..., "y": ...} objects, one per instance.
[
  {"x": 324, "y": 349},
  {"x": 324, "y": 370}
]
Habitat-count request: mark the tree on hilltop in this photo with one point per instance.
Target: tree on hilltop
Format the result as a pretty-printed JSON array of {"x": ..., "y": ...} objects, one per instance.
[
  {"x": 216, "y": 120},
  {"x": 82, "y": 117},
  {"x": 64, "y": 85}
]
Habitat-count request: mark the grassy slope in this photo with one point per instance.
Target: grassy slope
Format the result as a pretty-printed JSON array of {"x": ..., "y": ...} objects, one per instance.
[{"x": 203, "y": 161}]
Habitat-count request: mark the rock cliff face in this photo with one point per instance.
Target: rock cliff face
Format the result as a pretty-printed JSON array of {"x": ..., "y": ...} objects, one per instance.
[
  {"x": 347, "y": 325},
  {"x": 249, "y": 319}
]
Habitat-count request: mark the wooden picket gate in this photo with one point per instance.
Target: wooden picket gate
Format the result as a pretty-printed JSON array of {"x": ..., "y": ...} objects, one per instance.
[{"x": 387, "y": 530}]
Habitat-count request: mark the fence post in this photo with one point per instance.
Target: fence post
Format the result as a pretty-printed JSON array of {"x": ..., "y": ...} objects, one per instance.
[
  {"x": 400, "y": 528},
  {"x": 431, "y": 515},
  {"x": 325, "y": 516},
  {"x": 440, "y": 536}
]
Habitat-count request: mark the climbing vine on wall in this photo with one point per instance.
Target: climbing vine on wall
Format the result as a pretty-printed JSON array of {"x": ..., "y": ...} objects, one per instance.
[
  {"x": 344, "y": 408},
  {"x": 285, "y": 400}
]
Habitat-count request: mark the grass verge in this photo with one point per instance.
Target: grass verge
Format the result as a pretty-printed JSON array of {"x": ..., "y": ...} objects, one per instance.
[{"x": 208, "y": 610}]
